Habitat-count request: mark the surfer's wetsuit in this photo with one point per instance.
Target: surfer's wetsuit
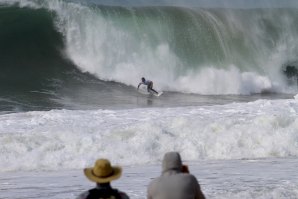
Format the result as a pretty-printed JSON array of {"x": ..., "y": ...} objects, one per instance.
[{"x": 149, "y": 84}]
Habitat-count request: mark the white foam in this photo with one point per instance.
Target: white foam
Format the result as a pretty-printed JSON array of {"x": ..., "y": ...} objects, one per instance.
[
  {"x": 223, "y": 81},
  {"x": 70, "y": 139}
]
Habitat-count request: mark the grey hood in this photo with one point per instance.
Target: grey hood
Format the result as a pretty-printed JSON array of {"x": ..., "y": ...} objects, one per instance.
[
  {"x": 171, "y": 161},
  {"x": 173, "y": 184}
]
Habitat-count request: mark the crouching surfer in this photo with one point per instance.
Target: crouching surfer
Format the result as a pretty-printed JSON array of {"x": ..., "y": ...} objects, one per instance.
[{"x": 149, "y": 85}]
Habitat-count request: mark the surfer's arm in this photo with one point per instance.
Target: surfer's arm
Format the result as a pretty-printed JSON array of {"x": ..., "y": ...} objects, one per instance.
[{"x": 140, "y": 84}]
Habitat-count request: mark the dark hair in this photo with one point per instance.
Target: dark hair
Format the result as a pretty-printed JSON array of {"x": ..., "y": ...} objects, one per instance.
[{"x": 143, "y": 79}]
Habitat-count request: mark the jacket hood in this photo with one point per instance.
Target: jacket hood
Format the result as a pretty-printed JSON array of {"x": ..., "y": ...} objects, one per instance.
[{"x": 171, "y": 161}]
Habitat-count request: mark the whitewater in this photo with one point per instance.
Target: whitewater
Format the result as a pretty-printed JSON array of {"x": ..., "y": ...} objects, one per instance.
[
  {"x": 66, "y": 139},
  {"x": 236, "y": 150},
  {"x": 69, "y": 71}
]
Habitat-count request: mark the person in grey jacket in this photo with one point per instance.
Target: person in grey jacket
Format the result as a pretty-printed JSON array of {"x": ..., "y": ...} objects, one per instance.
[{"x": 173, "y": 183}]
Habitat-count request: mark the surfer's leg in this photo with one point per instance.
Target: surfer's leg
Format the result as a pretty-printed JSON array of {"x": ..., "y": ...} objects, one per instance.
[
  {"x": 154, "y": 90},
  {"x": 151, "y": 88}
]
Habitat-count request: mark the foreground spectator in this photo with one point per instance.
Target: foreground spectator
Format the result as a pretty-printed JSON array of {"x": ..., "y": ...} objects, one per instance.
[
  {"x": 102, "y": 174},
  {"x": 175, "y": 182}
]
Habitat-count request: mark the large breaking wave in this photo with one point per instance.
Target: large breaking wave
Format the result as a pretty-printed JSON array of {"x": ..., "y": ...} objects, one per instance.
[{"x": 191, "y": 50}]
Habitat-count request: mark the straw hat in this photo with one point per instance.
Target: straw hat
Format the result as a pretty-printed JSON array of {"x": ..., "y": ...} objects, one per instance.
[{"x": 103, "y": 172}]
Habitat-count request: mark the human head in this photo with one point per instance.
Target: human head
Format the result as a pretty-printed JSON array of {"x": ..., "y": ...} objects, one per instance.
[
  {"x": 103, "y": 172},
  {"x": 172, "y": 161},
  {"x": 143, "y": 79}
]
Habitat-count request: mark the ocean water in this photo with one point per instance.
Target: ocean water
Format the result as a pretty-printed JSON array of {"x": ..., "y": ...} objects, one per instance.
[
  {"x": 228, "y": 72},
  {"x": 270, "y": 178}
]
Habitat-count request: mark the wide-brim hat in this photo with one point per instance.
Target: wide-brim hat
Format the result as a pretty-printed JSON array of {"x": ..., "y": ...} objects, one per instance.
[{"x": 103, "y": 172}]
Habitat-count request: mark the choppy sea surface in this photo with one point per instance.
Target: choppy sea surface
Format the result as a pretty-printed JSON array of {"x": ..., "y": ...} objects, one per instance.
[{"x": 260, "y": 178}]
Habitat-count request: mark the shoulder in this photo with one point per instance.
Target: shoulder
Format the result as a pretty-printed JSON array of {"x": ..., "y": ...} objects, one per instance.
[
  {"x": 155, "y": 181},
  {"x": 83, "y": 195},
  {"x": 193, "y": 178},
  {"x": 153, "y": 184},
  {"x": 123, "y": 195},
  {"x": 153, "y": 187},
  {"x": 184, "y": 179},
  {"x": 190, "y": 180},
  {"x": 189, "y": 176}
]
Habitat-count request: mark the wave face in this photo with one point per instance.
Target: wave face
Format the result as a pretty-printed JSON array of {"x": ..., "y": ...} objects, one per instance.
[
  {"x": 31, "y": 58},
  {"x": 206, "y": 51},
  {"x": 30, "y": 47},
  {"x": 188, "y": 50}
]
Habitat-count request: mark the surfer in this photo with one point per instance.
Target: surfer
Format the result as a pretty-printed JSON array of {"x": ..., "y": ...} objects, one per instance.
[{"x": 149, "y": 85}]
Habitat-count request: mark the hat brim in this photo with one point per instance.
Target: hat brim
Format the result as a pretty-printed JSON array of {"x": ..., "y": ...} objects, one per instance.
[{"x": 117, "y": 171}]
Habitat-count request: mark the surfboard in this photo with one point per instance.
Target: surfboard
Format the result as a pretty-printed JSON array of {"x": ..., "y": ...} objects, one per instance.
[{"x": 159, "y": 93}]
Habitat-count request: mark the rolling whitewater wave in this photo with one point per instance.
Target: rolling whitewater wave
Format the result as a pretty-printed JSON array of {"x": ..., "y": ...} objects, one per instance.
[
  {"x": 70, "y": 139},
  {"x": 188, "y": 50}
]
